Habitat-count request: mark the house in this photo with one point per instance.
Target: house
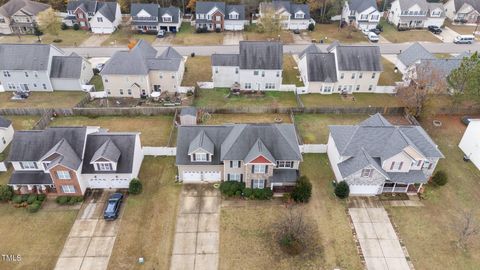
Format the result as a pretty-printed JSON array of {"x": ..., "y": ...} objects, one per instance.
[
  {"x": 70, "y": 160},
  {"x": 363, "y": 14},
  {"x": 150, "y": 18},
  {"x": 411, "y": 55},
  {"x": 292, "y": 16},
  {"x": 6, "y": 133},
  {"x": 218, "y": 16},
  {"x": 260, "y": 155},
  {"x": 376, "y": 157},
  {"x": 258, "y": 67},
  {"x": 463, "y": 11},
  {"x": 99, "y": 17},
  {"x": 188, "y": 116},
  {"x": 411, "y": 14},
  {"x": 20, "y": 16},
  {"x": 48, "y": 68},
  {"x": 142, "y": 70},
  {"x": 426, "y": 70},
  {"x": 341, "y": 69},
  {"x": 470, "y": 143}
]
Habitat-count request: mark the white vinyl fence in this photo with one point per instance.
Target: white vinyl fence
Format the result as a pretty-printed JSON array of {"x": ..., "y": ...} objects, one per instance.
[
  {"x": 99, "y": 94},
  {"x": 159, "y": 151},
  {"x": 3, "y": 167},
  {"x": 313, "y": 148}
]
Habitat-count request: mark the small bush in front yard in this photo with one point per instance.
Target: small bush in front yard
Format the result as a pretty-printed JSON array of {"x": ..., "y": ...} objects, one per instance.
[
  {"x": 262, "y": 193},
  {"x": 32, "y": 198},
  {"x": 62, "y": 200},
  {"x": 440, "y": 178},
  {"x": 25, "y": 197},
  {"x": 17, "y": 199},
  {"x": 34, "y": 207},
  {"x": 76, "y": 27},
  {"x": 64, "y": 26},
  {"x": 311, "y": 27},
  {"x": 6, "y": 193},
  {"x": 303, "y": 190},
  {"x": 230, "y": 188},
  {"x": 295, "y": 234},
  {"x": 41, "y": 197},
  {"x": 135, "y": 186},
  {"x": 342, "y": 190},
  {"x": 248, "y": 193}
]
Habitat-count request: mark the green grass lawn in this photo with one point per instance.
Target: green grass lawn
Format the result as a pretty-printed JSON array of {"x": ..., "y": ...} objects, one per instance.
[
  {"x": 330, "y": 32},
  {"x": 69, "y": 38},
  {"x": 218, "y": 98},
  {"x": 148, "y": 224},
  {"x": 388, "y": 76},
  {"x": 97, "y": 82},
  {"x": 251, "y": 33},
  {"x": 291, "y": 75},
  {"x": 22, "y": 122},
  {"x": 219, "y": 119},
  {"x": 361, "y": 100},
  {"x": 155, "y": 130},
  {"x": 188, "y": 36},
  {"x": 56, "y": 99},
  {"x": 197, "y": 69},
  {"x": 124, "y": 35},
  {"x": 391, "y": 34}
]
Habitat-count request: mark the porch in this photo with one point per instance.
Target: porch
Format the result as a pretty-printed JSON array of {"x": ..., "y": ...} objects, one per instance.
[
  {"x": 283, "y": 180},
  {"x": 32, "y": 182},
  {"x": 412, "y": 188}
]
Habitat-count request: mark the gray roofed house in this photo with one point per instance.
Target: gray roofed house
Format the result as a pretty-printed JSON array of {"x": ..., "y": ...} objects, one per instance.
[
  {"x": 89, "y": 6},
  {"x": 473, "y": 3},
  {"x": 293, "y": 16},
  {"x": 11, "y": 56},
  {"x": 240, "y": 9},
  {"x": 413, "y": 54},
  {"x": 150, "y": 8},
  {"x": 172, "y": 11},
  {"x": 31, "y": 7},
  {"x": 66, "y": 67},
  {"x": 261, "y": 55},
  {"x": 312, "y": 48},
  {"x": 4, "y": 122},
  {"x": 108, "y": 9},
  {"x": 201, "y": 142},
  {"x": 232, "y": 17},
  {"x": 19, "y": 16},
  {"x": 361, "y": 5},
  {"x": 229, "y": 60},
  {"x": 321, "y": 67},
  {"x": 288, "y": 6},
  {"x": 206, "y": 6},
  {"x": 358, "y": 58}
]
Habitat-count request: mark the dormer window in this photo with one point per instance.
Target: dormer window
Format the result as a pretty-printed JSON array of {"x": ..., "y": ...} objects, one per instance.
[
  {"x": 299, "y": 15},
  {"x": 104, "y": 166},
  {"x": 167, "y": 18},
  {"x": 233, "y": 16}
]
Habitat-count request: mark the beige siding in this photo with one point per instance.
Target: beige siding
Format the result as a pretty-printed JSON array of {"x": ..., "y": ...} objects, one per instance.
[{"x": 113, "y": 84}]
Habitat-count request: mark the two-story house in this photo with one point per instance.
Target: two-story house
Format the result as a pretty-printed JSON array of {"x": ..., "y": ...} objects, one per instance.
[
  {"x": 411, "y": 14},
  {"x": 69, "y": 160},
  {"x": 6, "y": 133},
  {"x": 19, "y": 16},
  {"x": 411, "y": 55},
  {"x": 431, "y": 72},
  {"x": 150, "y": 18},
  {"x": 218, "y": 16},
  {"x": 258, "y": 67},
  {"x": 48, "y": 68},
  {"x": 342, "y": 69},
  {"x": 363, "y": 14},
  {"x": 260, "y": 155},
  {"x": 463, "y": 11},
  {"x": 142, "y": 71},
  {"x": 292, "y": 16},
  {"x": 99, "y": 17},
  {"x": 377, "y": 157}
]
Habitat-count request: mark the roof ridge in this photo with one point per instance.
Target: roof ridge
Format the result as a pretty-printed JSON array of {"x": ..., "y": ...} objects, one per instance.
[{"x": 288, "y": 142}]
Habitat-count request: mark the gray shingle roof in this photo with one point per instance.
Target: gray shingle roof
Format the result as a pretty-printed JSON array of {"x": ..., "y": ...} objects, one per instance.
[
  {"x": 4, "y": 122},
  {"x": 188, "y": 111},
  {"x": 12, "y": 56},
  {"x": 151, "y": 9},
  {"x": 406, "y": 4},
  {"x": 474, "y": 3},
  {"x": 201, "y": 142},
  {"x": 108, "y": 9},
  {"x": 442, "y": 67},
  {"x": 63, "y": 154},
  {"x": 312, "y": 48},
  {"x": 321, "y": 67},
  {"x": 240, "y": 9},
  {"x": 170, "y": 53},
  {"x": 261, "y": 55},
  {"x": 30, "y": 178},
  {"x": 358, "y": 162},
  {"x": 259, "y": 149},
  {"x": 228, "y": 60},
  {"x": 290, "y": 7},
  {"x": 86, "y": 5},
  {"x": 172, "y": 11},
  {"x": 108, "y": 151},
  {"x": 206, "y": 6},
  {"x": 66, "y": 67},
  {"x": 31, "y": 7},
  {"x": 124, "y": 143},
  {"x": 359, "y": 58},
  {"x": 285, "y": 176},
  {"x": 361, "y": 5},
  {"x": 414, "y": 53}
]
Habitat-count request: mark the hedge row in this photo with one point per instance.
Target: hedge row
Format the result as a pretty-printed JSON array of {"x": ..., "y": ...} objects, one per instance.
[
  {"x": 70, "y": 200},
  {"x": 234, "y": 188}
]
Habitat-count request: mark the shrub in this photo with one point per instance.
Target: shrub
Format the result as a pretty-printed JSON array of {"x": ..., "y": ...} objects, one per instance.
[
  {"x": 17, "y": 199},
  {"x": 72, "y": 200},
  {"x": 303, "y": 190},
  {"x": 248, "y": 193},
  {"x": 34, "y": 207},
  {"x": 380, "y": 27},
  {"x": 64, "y": 26},
  {"x": 135, "y": 186},
  {"x": 32, "y": 198},
  {"x": 230, "y": 188},
  {"x": 25, "y": 197},
  {"x": 311, "y": 27},
  {"x": 6, "y": 193},
  {"x": 41, "y": 197},
  {"x": 57, "y": 40},
  {"x": 440, "y": 178},
  {"x": 342, "y": 190},
  {"x": 218, "y": 30},
  {"x": 62, "y": 200},
  {"x": 262, "y": 194},
  {"x": 295, "y": 233},
  {"x": 76, "y": 27},
  {"x": 96, "y": 71}
]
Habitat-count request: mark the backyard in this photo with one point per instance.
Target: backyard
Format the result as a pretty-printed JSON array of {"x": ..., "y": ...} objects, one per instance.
[
  {"x": 197, "y": 69},
  {"x": 220, "y": 119},
  {"x": 290, "y": 71},
  {"x": 391, "y": 33},
  {"x": 246, "y": 231},
  {"x": 360, "y": 100},
  {"x": 330, "y": 32},
  {"x": 97, "y": 82},
  {"x": 219, "y": 98},
  {"x": 388, "y": 77},
  {"x": 69, "y": 38},
  {"x": 21, "y": 122},
  {"x": 188, "y": 36},
  {"x": 148, "y": 224},
  {"x": 56, "y": 99},
  {"x": 155, "y": 130}
]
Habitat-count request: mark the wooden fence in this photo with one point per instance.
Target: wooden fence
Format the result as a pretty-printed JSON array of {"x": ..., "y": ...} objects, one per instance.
[{"x": 43, "y": 122}]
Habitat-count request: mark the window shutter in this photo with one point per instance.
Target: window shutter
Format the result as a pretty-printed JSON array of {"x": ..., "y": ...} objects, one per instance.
[
  {"x": 21, "y": 165},
  {"x": 251, "y": 184},
  {"x": 393, "y": 164},
  {"x": 253, "y": 168},
  {"x": 228, "y": 177},
  {"x": 430, "y": 165},
  {"x": 193, "y": 155},
  {"x": 265, "y": 183},
  {"x": 266, "y": 168},
  {"x": 231, "y": 164},
  {"x": 239, "y": 163},
  {"x": 291, "y": 164},
  {"x": 400, "y": 166},
  {"x": 241, "y": 178}
]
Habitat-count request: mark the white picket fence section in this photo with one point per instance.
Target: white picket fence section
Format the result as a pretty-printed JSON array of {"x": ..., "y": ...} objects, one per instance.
[
  {"x": 313, "y": 148},
  {"x": 288, "y": 87},
  {"x": 3, "y": 167},
  {"x": 159, "y": 151},
  {"x": 185, "y": 89},
  {"x": 99, "y": 94},
  {"x": 390, "y": 89}
]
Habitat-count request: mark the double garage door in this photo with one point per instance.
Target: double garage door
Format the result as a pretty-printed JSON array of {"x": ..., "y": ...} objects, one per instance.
[
  {"x": 233, "y": 27},
  {"x": 364, "y": 190},
  {"x": 199, "y": 177},
  {"x": 108, "y": 183}
]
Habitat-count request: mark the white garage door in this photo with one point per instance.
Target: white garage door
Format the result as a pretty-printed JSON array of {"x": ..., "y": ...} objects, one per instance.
[
  {"x": 364, "y": 190},
  {"x": 192, "y": 177},
  {"x": 238, "y": 27},
  {"x": 211, "y": 176},
  {"x": 108, "y": 183},
  {"x": 228, "y": 27}
]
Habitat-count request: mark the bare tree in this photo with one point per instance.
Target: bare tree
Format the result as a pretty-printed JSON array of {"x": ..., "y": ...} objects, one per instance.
[
  {"x": 467, "y": 227},
  {"x": 49, "y": 22},
  {"x": 269, "y": 22}
]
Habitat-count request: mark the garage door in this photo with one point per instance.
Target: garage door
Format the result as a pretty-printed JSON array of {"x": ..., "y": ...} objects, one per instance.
[
  {"x": 238, "y": 27},
  {"x": 364, "y": 190},
  {"x": 192, "y": 177},
  {"x": 108, "y": 183},
  {"x": 229, "y": 27},
  {"x": 211, "y": 176}
]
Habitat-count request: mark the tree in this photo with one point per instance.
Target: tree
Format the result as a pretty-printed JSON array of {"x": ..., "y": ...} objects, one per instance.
[
  {"x": 191, "y": 5},
  {"x": 6, "y": 193},
  {"x": 342, "y": 190},
  {"x": 135, "y": 186},
  {"x": 269, "y": 22},
  {"x": 425, "y": 81},
  {"x": 303, "y": 190},
  {"x": 466, "y": 227},
  {"x": 49, "y": 22},
  {"x": 440, "y": 178},
  {"x": 465, "y": 80}
]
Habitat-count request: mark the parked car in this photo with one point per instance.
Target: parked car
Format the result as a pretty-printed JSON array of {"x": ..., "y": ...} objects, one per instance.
[
  {"x": 464, "y": 39},
  {"x": 373, "y": 37},
  {"x": 161, "y": 33},
  {"x": 296, "y": 31},
  {"x": 365, "y": 32},
  {"x": 376, "y": 31},
  {"x": 434, "y": 29},
  {"x": 113, "y": 206},
  {"x": 466, "y": 120}
]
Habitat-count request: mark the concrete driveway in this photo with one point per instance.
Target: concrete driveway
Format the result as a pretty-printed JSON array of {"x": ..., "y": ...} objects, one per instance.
[
  {"x": 302, "y": 38},
  {"x": 196, "y": 240},
  {"x": 447, "y": 35},
  {"x": 94, "y": 41},
  {"x": 91, "y": 239},
  {"x": 232, "y": 37},
  {"x": 379, "y": 242}
]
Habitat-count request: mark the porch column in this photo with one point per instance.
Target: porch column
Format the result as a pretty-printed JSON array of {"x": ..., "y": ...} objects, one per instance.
[
  {"x": 271, "y": 186},
  {"x": 29, "y": 187},
  {"x": 394, "y": 186},
  {"x": 420, "y": 187}
]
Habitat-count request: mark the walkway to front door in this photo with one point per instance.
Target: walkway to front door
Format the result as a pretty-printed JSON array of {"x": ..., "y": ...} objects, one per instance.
[{"x": 197, "y": 232}]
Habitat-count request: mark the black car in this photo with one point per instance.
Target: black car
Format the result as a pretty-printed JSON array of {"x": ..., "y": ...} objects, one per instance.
[
  {"x": 296, "y": 31},
  {"x": 434, "y": 29},
  {"x": 376, "y": 31},
  {"x": 466, "y": 120},
  {"x": 113, "y": 206}
]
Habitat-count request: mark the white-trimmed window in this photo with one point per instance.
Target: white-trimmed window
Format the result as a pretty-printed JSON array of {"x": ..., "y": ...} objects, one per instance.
[
  {"x": 248, "y": 85},
  {"x": 299, "y": 15},
  {"x": 63, "y": 175},
  {"x": 167, "y": 19},
  {"x": 258, "y": 183},
  {"x": 364, "y": 16},
  {"x": 104, "y": 166},
  {"x": 370, "y": 87},
  {"x": 367, "y": 173},
  {"x": 235, "y": 163},
  {"x": 6, "y": 73},
  {"x": 269, "y": 85},
  {"x": 233, "y": 16},
  {"x": 99, "y": 19},
  {"x": 255, "y": 73},
  {"x": 235, "y": 177},
  {"x": 259, "y": 168},
  {"x": 353, "y": 75},
  {"x": 201, "y": 157},
  {"x": 68, "y": 189},
  {"x": 342, "y": 75},
  {"x": 285, "y": 164},
  {"x": 28, "y": 165}
]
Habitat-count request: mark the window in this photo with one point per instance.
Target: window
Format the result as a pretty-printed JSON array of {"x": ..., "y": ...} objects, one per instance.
[
  {"x": 218, "y": 18},
  {"x": 233, "y": 16},
  {"x": 44, "y": 86},
  {"x": 373, "y": 75},
  {"x": 236, "y": 70},
  {"x": 235, "y": 177},
  {"x": 99, "y": 19},
  {"x": 129, "y": 91},
  {"x": 259, "y": 169},
  {"x": 35, "y": 74},
  {"x": 200, "y": 157},
  {"x": 370, "y": 87},
  {"x": 419, "y": 163},
  {"x": 299, "y": 15},
  {"x": 358, "y": 87},
  {"x": 121, "y": 91},
  {"x": 216, "y": 70},
  {"x": 35, "y": 85},
  {"x": 392, "y": 165},
  {"x": 367, "y": 173},
  {"x": 68, "y": 189},
  {"x": 106, "y": 80},
  {"x": 235, "y": 164},
  {"x": 327, "y": 89},
  {"x": 63, "y": 175},
  {"x": 80, "y": 15},
  {"x": 4, "y": 141},
  {"x": 26, "y": 74},
  {"x": 6, "y": 74},
  {"x": 364, "y": 17},
  {"x": 374, "y": 18},
  {"x": 248, "y": 85},
  {"x": 339, "y": 88},
  {"x": 269, "y": 86},
  {"x": 11, "y": 86},
  {"x": 342, "y": 75},
  {"x": 28, "y": 165},
  {"x": 285, "y": 164},
  {"x": 104, "y": 167},
  {"x": 255, "y": 73},
  {"x": 353, "y": 75},
  {"x": 360, "y": 75},
  {"x": 278, "y": 74},
  {"x": 400, "y": 166},
  {"x": 263, "y": 73},
  {"x": 167, "y": 19},
  {"x": 258, "y": 183},
  {"x": 2, "y": 20}
]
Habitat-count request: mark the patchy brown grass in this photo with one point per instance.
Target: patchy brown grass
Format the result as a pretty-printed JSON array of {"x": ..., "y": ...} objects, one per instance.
[
  {"x": 290, "y": 73},
  {"x": 56, "y": 99},
  {"x": 187, "y": 36},
  {"x": 361, "y": 100},
  {"x": 69, "y": 38},
  {"x": 388, "y": 76},
  {"x": 21, "y": 122},
  {"x": 197, "y": 69},
  {"x": 219, "y": 119},
  {"x": 219, "y": 98},
  {"x": 330, "y": 32},
  {"x": 391, "y": 34}
]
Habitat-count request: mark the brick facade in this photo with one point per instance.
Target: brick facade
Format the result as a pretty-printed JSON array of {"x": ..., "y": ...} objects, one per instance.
[{"x": 59, "y": 182}]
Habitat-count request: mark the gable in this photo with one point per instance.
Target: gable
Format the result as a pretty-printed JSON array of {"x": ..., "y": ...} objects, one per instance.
[
  {"x": 143, "y": 13},
  {"x": 260, "y": 160}
]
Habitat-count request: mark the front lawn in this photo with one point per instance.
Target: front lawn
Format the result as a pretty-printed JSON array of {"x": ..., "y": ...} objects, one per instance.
[
  {"x": 155, "y": 130},
  {"x": 361, "y": 100},
  {"x": 197, "y": 69},
  {"x": 69, "y": 38},
  {"x": 124, "y": 35},
  {"x": 220, "y": 119},
  {"x": 56, "y": 99},
  {"x": 291, "y": 75},
  {"x": 218, "y": 98},
  {"x": 188, "y": 36},
  {"x": 252, "y": 34},
  {"x": 461, "y": 29},
  {"x": 391, "y": 33},
  {"x": 435, "y": 224},
  {"x": 388, "y": 76},
  {"x": 246, "y": 232},
  {"x": 148, "y": 224},
  {"x": 331, "y": 32}
]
